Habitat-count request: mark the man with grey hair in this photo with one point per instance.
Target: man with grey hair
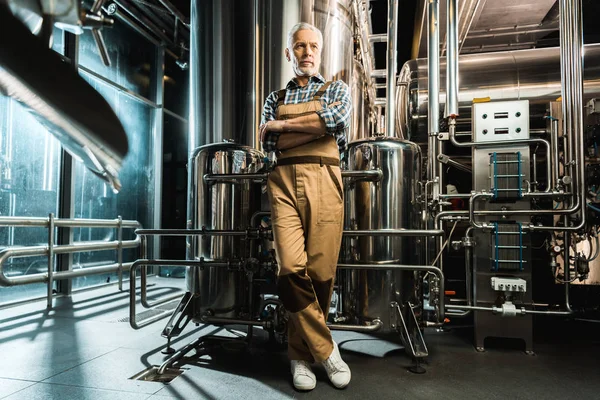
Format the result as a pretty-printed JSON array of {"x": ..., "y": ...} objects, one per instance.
[{"x": 306, "y": 124}]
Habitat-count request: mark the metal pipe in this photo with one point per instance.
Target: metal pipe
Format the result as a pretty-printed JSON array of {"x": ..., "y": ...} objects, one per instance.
[
  {"x": 392, "y": 37},
  {"x": 173, "y": 10},
  {"x": 375, "y": 174},
  {"x": 191, "y": 232},
  {"x": 433, "y": 58},
  {"x": 554, "y": 152},
  {"x": 452, "y": 135},
  {"x": 50, "y": 260},
  {"x": 452, "y": 59},
  {"x": 433, "y": 90},
  {"x": 363, "y": 27},
  {"x": 67, "y": 222},
  {"x": 213, "y": 232},
  {"x": 120, "y": 252},
  {"x": 231, "y": 321},
  {"x": 395, "y": 232},
  {"x": 499, "y": 310},
  {"x": 145, "y": 22},
  {"x": 113, "y": 9},
  {"x": 31, "y": 251},
  {"x": 427, "y": 268},
  {"x": 376, "y": 325}
]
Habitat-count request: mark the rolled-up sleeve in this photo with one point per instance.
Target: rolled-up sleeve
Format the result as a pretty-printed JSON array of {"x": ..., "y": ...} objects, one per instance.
[
  {"x": 337, "y": 114},
  {"x": 268, "y": 114}
]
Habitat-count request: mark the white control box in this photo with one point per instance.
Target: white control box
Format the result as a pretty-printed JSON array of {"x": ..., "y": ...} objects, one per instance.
[
  {"x": 497, "y": 121},
  {"x": 509, "y": 284}
]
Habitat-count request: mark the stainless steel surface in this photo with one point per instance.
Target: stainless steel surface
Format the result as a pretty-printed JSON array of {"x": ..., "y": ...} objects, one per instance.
[
  {"x": 433, "y": 68},
  {"x": 362, "y": 21},
  {"x": 394, "y": 232},
  {"x": 532, "y": 75},
  {"x": 224, "y": 100},
  {"x": 144, "y": 263},
  {"x": 375, "y": 326},
  {"x": 477, "y": 17},
  {"x": 386, "y": 204},
  {"x": 407, "y": 268},
  {"x": 361, "y": 112},
  {"x": 452, "y": 59},
  {"x": 392, "y": 61},
  {"x": 62, "y": 101},
  {"x": 220, "y": 206}
]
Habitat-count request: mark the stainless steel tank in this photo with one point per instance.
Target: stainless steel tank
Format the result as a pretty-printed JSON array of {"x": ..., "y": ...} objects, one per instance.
[
  {"x": 222, "y": 206},
  {"x": 360, "y": 107},
  {"x": 532, "y": 75},
  {"x": 386, "y": 204}
]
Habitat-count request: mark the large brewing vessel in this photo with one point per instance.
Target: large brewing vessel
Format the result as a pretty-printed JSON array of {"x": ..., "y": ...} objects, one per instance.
[
  {"x": 219, "y": 205},
  {"x": 375, "y": 205}
]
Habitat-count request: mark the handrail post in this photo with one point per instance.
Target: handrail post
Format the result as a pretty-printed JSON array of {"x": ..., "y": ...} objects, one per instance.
[{"x": 50, "y": 259}]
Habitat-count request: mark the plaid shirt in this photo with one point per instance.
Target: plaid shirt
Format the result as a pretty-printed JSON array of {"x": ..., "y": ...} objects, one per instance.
[{"x": 336, "y": 118}]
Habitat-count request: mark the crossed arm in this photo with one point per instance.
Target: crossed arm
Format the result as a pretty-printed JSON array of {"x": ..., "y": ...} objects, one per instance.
[
  {"x": 294, "y": 132},
  {"x": 286, "y": 134}
]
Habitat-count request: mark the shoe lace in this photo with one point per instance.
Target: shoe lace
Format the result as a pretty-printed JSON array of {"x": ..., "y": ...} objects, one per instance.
[
  {"x": 332, "y": 365},
  {"x": 302, "y": 368}
]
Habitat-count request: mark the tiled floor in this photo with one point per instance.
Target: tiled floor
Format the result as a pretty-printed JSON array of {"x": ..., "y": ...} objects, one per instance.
[{"x": 81, "y": 350}]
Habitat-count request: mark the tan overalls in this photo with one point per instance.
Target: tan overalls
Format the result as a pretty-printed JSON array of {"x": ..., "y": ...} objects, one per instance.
[{"x": 306, "y": 197}]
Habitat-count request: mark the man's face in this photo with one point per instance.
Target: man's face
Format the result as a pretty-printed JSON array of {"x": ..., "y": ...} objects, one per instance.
[{"x": 305, "y": 53}]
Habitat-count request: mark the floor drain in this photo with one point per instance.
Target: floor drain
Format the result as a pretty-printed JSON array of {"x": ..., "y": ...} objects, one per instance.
[{"x": 151, "y": 375}]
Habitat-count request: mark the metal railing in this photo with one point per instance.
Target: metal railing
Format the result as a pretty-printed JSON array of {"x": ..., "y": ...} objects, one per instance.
[{"x": 53, "y": 249}]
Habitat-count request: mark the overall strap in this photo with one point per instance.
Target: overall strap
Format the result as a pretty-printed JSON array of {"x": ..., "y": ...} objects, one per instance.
[
  {"x": 281, "y": 97},
  {"x": 322, "y": 90}
]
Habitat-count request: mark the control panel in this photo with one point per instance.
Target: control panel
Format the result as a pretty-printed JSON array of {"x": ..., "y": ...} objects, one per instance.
[{"x": 509, "y": 284}]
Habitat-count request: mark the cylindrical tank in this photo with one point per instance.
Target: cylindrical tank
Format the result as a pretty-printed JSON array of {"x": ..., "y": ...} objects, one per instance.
[
  {"x": 532, "y": 75},
  {"x": 360, "y": 109},
  {"x": 222, "y": 206},
  {"x": 386, "y": 204}
]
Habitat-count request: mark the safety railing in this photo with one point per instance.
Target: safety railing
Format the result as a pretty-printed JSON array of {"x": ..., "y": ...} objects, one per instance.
[{"x": 53, "y": 249}]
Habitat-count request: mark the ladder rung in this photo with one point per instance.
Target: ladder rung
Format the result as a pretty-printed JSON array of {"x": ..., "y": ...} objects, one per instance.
[{"x": 379, "y": 73}]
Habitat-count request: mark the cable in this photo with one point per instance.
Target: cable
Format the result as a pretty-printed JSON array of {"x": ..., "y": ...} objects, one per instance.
[{"x": 445, "y": 244}]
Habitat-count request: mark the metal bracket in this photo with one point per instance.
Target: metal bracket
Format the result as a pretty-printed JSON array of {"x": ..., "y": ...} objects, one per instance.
[
  {"x": 411, "y": 336},
  {"x": 183, "y": 310}
]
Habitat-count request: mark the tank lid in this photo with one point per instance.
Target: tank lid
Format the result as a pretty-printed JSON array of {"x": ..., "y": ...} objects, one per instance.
[
  {"x": 383, "y": 139},
  {"x": 227, "y": 146}
]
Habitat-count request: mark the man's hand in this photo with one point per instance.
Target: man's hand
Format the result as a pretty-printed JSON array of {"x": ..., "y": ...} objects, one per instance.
[{"x": 270, "y": 126}]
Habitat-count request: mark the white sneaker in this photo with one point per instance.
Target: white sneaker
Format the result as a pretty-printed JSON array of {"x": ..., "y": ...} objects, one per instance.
[
  {"x": 304, "y": 379},
  {"x": 337, "y": 370}
]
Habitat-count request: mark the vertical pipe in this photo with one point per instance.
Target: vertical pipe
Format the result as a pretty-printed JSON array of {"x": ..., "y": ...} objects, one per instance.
[
  {"x": 433, "y": 90},
  {"x": 120, "y": 252},
  {"x": 571, "y": 57},
  {"x": 452, "y": 60},
  {"x": 195, "y": 109},
  {"x": 50, "y": 259},
  {"x": 433, "y": 57},
  {"x": 392, "y": 33}
]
